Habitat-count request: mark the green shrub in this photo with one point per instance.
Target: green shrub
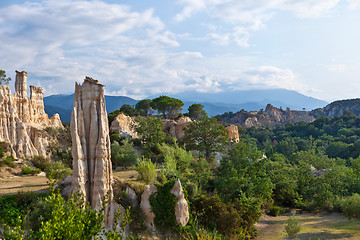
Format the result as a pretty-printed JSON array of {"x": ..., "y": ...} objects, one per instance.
[
  {"x": 123, "y": 155},
  {"x": 235, "y": 218},
  {"x": 350, "y": 206},
  {"x": 9, "y": 161},
  {"x": 275, "y": 211},
  {"x": 292, "y": 228},
  {"x": 41, "y": 162},
  {"x": 2, "y": 154},
  {"x": 146, "y": 170},
  {"x": 27, "y": 170},
  {"x": 57, "y": 171},
  {"x": 163, "y": 205}
]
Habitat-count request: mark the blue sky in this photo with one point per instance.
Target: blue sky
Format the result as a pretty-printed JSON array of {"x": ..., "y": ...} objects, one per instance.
[{"x": 142, "y": 48}]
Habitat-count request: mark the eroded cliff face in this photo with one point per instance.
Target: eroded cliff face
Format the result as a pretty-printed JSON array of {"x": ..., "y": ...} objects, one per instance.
[
  {"x": 272, "y": 116},
  {"x": 176, "y": 128},
  {"x": 23, "y": 120},
  {"x": 92, "y": 174},
  {"x": 124, "y": 126}
]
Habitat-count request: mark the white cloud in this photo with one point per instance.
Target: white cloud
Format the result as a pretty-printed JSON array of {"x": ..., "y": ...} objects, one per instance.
[
  {"x": 248, "y": 16},
  {"x": 354, "y": 4}
]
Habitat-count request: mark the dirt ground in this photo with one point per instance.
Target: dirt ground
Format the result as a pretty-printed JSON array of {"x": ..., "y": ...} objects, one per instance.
[
  {"x": 23, "y": 183},
  {"x": 321, "y": 226}
]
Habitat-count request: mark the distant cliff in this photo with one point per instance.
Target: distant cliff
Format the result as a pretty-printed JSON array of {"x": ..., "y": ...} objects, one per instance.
[
  {"x": 272, "y": 117},
  {"x": 337, "y": 108}
]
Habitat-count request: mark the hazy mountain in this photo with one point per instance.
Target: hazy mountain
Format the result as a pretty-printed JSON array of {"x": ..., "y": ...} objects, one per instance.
[
  {"x": 214, "y": 103},
  {"x": 63, "y": 104}
]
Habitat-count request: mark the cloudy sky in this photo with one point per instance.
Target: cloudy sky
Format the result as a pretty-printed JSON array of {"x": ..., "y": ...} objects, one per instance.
[{"x": 139, "y": 48}]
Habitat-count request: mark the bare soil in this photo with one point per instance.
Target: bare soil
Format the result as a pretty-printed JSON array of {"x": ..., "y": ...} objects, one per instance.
[
  {"x": 23, "y": 183},
  {"x": 321, "y": 226}
]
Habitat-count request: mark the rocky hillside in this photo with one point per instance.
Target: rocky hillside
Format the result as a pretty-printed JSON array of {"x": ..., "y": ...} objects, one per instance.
[
  {"x": 272, "y": 116},
  {"x": 337, "y": 108},
  {"x": 23, "y": 121}
]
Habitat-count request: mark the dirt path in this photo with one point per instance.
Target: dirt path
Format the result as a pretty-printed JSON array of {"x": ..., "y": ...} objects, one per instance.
[
  {"x": 28, "y": 183},
  {"x": 321, "y": 226}
]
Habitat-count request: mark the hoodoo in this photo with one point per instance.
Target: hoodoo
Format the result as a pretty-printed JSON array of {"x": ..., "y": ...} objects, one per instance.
[
  {"x": 23, "y": 120},
  {"x": 92, "y": 174}
]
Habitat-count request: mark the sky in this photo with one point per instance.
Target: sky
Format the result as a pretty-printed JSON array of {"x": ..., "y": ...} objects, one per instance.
[{"x": 141, "y": 48}]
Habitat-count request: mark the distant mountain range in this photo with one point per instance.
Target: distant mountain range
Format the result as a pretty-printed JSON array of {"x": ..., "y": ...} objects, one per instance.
[
  {"x": 214, "y": 103},
  {"x": 63, "y": 104}
]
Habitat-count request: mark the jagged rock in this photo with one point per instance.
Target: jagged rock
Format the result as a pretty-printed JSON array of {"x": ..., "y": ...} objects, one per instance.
[
  {"x": 132, "y": 196},
  {"x": 149, "y": 216},
  {"x": 175, "y": 128},
  {"x": 181, "y": 207},
  {"x": 23, "y": 120},
  {"x": 317, "y": 173},
  {"x": 272, "y": 116},
  {"x": 233, "y": 131},
  {"x": 92, "y": 174},
  {"x": 124, "y": 126}
]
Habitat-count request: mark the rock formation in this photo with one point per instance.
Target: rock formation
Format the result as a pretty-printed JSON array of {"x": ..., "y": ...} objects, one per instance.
[
  {"x": 92, "y": 174},
  {"x": 272, "y": 116},
  {"x": 23, "y": 120},
  {"x": 175, "y": 128},
  {"x": 181, "y": 207},
  {"x": 149, "y": 216},
  {"x": 124, "y": 126},
  {"x": 233, "y": 131}
]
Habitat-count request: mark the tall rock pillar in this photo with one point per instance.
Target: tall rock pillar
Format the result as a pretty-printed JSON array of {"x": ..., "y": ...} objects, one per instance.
[
  {"x": 20, "y": 84},
  {"x": 92, "y": 174}
]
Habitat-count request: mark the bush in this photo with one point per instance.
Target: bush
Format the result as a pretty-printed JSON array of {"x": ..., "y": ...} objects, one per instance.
[
  {"x": 124, "y": 155},
  {"x": 146, "y": 170},
  {"x": 2, "y": 154},
  {"x": 163, "y": 205},
  {"x": 292, "y": 228},
  {"x": 40, "y": 162},
  {"x": 274, "y": 210},
  {"x": 9, "y": 161},
  {"x": 350, "y": 206},
  {"x": 29, "y": 170},
  {"x": 58, "y": 171},
  {"x": 234, "y": 218}
]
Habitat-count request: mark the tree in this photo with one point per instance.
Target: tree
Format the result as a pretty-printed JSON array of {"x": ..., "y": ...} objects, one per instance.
[
  {"x": 3, "y": 78},
  {"x": 128, "y": 110},
  {"x": 207, "y": 136},
  {"x": 196, "y": 111},
  {"x": 150, "y": 130},
  {"x": 124, "y": 155},
  {"x": 144, "y": 107},
  {"x": 167, "y": 106}
]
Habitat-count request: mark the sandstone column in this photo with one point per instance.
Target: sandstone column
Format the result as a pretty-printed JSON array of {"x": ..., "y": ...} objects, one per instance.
[{"x": 92, "y": 174}]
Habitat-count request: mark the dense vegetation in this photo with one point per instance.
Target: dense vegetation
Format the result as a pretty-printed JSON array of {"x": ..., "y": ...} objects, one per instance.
[{"x": 228, "y": 185}]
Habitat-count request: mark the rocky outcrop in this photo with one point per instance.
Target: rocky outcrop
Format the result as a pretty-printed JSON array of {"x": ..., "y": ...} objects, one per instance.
[
  {"x": 92, "y": 174},
  {"x": 124, "y": 126},
  {"x": 23, "y": 120},
  {"x": 175, "y": 128},
  {"x": 181, "y": 207},
  {"x": 233, "y": 132},
  {"x": 338, "y": 108},
  {"x": 149, "y": 216},
  {"x": 272, "y": 116}
]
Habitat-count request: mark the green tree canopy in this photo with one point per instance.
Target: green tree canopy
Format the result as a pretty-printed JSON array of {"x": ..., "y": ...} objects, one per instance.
[
  {"x": 3, "y": 78},
  {"x": 150, "y": 130},
  {"x": 207, "y": 136},
  {"x": 167, "y": 106},
  {"x": 144, "y": 107},
  {"x": 129, "y": 110},
  {"x": 196, "y": 111}
]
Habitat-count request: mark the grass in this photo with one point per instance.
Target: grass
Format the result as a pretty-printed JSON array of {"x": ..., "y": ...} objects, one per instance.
[
  {"x": 321, "y": 226},
  {"x": 27, "y": 183}
]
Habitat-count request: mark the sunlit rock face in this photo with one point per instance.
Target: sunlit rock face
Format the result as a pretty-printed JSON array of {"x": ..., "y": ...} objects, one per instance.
[
  {"x": 23, "y": 120},
  {"x": 181, "y": 207},
  {"x": 124, "y": 126},
  {"x": 176, "y": 128},
  {"x": 92, "y": 174}
]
